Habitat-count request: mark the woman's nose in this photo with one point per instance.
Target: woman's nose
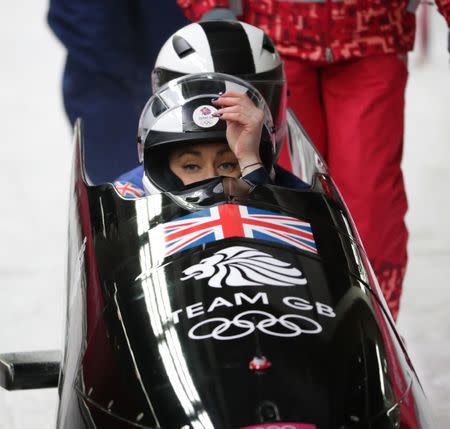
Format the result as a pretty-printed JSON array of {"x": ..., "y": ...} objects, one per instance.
[{"x": 211, "y": 171}]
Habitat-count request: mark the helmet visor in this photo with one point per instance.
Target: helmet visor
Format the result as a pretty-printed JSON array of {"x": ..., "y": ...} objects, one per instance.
[
  {"x": 182, "y": 112},
  {"x": 184, "y": 106},
  {"x": 275, "y": 95}
]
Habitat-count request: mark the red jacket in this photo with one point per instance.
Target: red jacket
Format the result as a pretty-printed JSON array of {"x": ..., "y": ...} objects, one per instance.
[{"x": 328, "y": 30}]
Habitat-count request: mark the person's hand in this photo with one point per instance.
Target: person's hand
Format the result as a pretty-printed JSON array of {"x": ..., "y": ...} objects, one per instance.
[{"x": 244, "y": 127}]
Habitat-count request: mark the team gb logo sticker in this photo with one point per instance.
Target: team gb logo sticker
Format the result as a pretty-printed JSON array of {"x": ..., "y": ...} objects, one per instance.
[{"x": 244, "y": 266}]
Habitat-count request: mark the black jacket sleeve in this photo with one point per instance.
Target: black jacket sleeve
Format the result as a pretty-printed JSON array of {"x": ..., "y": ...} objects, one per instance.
[{"x": 258, "y": 177}]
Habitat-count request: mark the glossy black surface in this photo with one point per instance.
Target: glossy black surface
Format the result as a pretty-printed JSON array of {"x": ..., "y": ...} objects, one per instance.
[
  {"x": 142, "y": 350},
  {"x": 29, "y": 370}
]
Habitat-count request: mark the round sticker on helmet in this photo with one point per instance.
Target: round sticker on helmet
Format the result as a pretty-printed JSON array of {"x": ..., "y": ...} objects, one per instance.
[{"x": 203, "y": 116}]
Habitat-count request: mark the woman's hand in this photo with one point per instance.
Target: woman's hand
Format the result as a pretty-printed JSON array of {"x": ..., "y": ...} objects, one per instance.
[{"x": 244, "y": 127}]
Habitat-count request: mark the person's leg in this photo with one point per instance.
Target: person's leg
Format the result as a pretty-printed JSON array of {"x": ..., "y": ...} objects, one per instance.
[
  {"x": 110, "y": 107},
  {"x": 111, "y": 51},
  {"x": 305, "y": 100},
  {"x": 364, "y": 104}
]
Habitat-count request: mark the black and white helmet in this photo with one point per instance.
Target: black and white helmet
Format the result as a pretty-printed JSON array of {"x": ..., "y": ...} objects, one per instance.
[
  {"x": 229, "y": 47},
  {"x": 181, "y": 112}
]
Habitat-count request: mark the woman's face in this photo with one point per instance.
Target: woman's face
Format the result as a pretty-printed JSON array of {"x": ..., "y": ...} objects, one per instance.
[{"x": 195, "y": 162}]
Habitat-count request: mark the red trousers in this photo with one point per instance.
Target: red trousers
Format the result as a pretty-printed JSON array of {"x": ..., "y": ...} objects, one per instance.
[{"x": 354, "y": 113}]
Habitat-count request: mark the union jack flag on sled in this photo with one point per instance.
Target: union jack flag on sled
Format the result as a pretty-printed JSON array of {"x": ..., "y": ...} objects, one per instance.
[
  {"x": 231, "y": 220},
  {"x": 128, "y": 190}
]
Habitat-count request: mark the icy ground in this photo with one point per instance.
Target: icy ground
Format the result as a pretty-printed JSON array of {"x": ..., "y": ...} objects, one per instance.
[{"x": 34, "y": 169}]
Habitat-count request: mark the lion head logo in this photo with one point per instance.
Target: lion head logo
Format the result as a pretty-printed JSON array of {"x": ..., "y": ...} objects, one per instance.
[{"x": 244, "y": 266}]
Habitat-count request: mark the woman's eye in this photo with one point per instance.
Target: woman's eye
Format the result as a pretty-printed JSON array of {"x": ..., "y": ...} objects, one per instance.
[
  {"x": 228, "y": 166},
  {"x": 191, "y": 168}
]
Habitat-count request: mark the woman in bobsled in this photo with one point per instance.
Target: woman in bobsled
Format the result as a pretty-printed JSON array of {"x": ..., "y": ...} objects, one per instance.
[
  {"x": 201, "y": 126},
  {"x": 262, "y": 295}
]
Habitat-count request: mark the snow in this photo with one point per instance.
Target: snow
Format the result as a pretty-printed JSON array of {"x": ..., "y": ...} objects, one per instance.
[{"x": 34, "y": 169}]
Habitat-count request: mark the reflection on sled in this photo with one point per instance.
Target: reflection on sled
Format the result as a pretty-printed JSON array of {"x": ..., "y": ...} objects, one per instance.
[{"x": 228, "y": 306}]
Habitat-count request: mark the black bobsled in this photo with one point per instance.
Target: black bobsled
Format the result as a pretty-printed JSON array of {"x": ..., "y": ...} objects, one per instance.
[{"x": 228, "y": 306}]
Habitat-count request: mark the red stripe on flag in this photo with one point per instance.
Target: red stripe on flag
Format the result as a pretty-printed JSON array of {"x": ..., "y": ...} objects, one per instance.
[
  {"x": 186, "y": 242},
  {"x": 231, "y": 221},
  {"x": 199, "y": 227},
  {"x": 280, "y": 228}
]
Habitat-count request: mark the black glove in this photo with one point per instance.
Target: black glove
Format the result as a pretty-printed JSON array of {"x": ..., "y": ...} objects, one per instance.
[{"x": 219, "y": 14}]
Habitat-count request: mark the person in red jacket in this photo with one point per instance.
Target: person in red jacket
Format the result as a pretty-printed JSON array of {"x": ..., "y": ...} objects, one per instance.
[{"x": 346, "y": 67}]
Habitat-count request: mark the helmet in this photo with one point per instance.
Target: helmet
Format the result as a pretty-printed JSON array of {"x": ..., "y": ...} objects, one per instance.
[
  {"x": 180, "y": 112},
  {"x": 230, "y": 47}
]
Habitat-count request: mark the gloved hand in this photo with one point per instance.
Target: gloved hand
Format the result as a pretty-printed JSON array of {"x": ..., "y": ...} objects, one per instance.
[{"x": 219, "y": 14}]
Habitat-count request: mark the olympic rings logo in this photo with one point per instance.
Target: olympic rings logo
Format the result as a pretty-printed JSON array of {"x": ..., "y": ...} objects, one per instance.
[{"x": 293, "y": 324}]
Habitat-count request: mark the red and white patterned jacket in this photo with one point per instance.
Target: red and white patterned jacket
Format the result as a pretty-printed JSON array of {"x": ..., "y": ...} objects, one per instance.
[{"x": 324, "y": 31}]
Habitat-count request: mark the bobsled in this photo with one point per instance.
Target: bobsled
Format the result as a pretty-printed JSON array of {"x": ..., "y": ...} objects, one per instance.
[{"x": 223, "y": 306}]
